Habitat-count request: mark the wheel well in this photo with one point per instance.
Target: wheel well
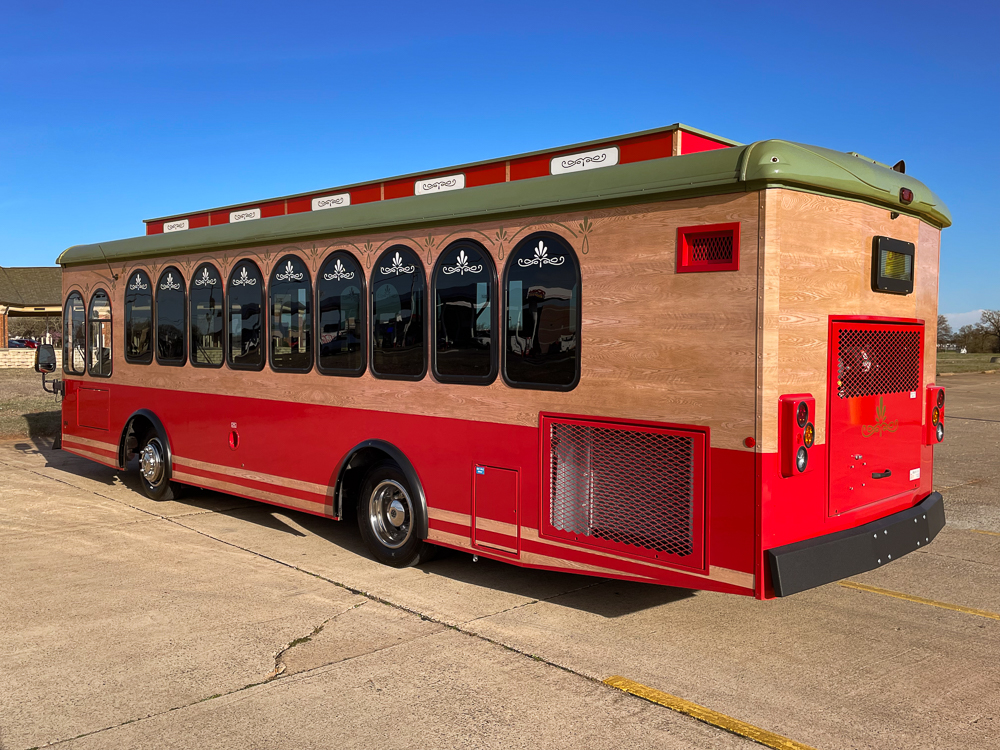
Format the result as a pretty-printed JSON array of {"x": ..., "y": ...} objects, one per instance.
[
  {"x": 355, "y": 466},
  {"x": 136, "y": 426}
]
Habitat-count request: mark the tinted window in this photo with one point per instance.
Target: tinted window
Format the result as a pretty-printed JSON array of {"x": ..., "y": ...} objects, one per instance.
[
  {"x": 207, "y": 327},
  {"x": 464, "y": 338},
  {"x": 171, "y": 313},
  {"x": 340, "y": 298},
  {"x": 74, "y": 335},
  {"x": 246, "y": 305},
  {"x": 542, "y": 336},
  {"x": 99, "y": 349},
  {"x": 139, "y": 319},
  {"x": 291, "y": 316},
  {"x": 398, "y": 315}
]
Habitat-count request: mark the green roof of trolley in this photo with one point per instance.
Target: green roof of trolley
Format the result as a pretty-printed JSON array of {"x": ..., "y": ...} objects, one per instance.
[{"x": 772, "y": 163}]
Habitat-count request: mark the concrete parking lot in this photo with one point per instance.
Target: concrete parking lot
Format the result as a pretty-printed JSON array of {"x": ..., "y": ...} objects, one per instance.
[{"x": 217, "y": 622}]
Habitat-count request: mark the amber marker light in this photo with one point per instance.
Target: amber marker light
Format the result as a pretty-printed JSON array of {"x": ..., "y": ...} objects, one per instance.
[
  {"x": 935, "y": 415},
  {"x": 809, "y": 435}
]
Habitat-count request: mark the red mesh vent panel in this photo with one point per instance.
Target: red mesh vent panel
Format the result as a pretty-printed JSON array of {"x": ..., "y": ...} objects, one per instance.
[
  {"x": 713, "y": 248},
  {"x": 877, "y": 362},
  {"x": 637, "y": 489},
  {"x": 710, "y": 247}
]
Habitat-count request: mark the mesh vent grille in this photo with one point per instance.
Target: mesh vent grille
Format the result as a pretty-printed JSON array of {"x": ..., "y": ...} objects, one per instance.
[
  {"x": 879, "y": 362},
  {"x": 707, "y": 249},
  {"x": 623, "y": 486}
]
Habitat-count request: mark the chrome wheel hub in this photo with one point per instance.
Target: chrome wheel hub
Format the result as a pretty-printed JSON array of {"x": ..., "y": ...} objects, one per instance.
[
  {"x": 151, "y": 462},
  {"x": 389, "y": 513}
]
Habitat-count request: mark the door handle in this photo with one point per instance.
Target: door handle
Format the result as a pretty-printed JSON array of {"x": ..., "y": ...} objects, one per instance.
[{"x": 882, "y": 475}]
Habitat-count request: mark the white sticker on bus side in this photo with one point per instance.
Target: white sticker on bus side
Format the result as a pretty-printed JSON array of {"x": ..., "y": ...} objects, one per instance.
[
  {"x": 602, "y": 157},
  {"x": 914, "y": 474},
  {"x": 331, "y": 201},
  {"x": 247, "y": 214},
  {"x": 439, "y": 184}
]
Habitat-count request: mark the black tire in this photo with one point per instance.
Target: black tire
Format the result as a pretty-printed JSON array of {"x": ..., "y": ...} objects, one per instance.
[
  {"x": 387, "y": 515},
  {"x": 158, "y": 485}
]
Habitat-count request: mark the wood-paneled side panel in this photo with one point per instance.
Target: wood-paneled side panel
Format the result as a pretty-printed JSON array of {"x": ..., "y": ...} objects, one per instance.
[
  {"x": 925, "y": 287},
  {"x": 656, "y": 345},
  {"x": 818, "y": 263}
]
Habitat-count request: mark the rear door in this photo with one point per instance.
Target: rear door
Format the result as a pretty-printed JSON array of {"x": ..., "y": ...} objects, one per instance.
[{"x": 875, "y": 410}]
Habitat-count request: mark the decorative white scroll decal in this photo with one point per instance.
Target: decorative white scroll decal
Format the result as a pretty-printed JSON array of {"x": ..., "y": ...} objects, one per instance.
[
  {"x": 339, "y": 272},
  {"x": 244, "y": 279},
  {"x": 541, "y": 258},
  {"x": 604, "y": 157},
  {"x": 331, "y": 201},
  {"x": 137, "y": 284},
  {"x": 176, "y": 226},
  {"x": 169, "y": 283},
  {"x": 248, "y": 214},
  {"x": 439, "y": 184},
  {"x": 205, "y": 279},
  {"x": 461, "y": 265},
  {"x": 288, "y": 275},
  {"x": 397, "y": 267}
]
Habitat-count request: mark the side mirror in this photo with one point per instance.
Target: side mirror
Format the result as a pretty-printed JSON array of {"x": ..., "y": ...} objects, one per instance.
[{"x": 45, "y": 358}]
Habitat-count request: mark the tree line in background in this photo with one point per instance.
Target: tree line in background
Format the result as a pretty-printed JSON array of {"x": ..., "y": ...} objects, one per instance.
[
  {"x": 983, "y": 336},
  {"x": 35, "y": 326}
]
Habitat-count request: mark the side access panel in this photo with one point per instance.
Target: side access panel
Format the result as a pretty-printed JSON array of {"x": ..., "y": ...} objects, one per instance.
[{"x": 494, "y": 504}]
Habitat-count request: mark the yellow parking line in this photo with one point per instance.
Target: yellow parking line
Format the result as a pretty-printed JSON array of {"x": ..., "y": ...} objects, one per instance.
[
  {"x": 707, "y": 715},
  {"x": 981, "y": 531},
  {"x": 920, "y": 600}
]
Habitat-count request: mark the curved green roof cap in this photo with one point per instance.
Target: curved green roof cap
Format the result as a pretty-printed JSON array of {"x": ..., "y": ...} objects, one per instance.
[{"x": 773, "y": 163}]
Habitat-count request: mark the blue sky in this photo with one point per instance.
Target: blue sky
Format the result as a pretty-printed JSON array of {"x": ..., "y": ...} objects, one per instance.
[{"x": 115, "y": 112}]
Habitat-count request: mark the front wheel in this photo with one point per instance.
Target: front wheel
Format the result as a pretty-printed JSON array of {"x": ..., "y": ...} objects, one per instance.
[
  {"x": 387, "y": 518},
  {"x": 154, "y": 468}
]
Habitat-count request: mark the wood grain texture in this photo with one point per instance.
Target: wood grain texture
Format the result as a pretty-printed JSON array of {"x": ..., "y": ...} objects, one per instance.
[
  {"x": 656, "y": 345},
  {"x": 817, "y": 257}
]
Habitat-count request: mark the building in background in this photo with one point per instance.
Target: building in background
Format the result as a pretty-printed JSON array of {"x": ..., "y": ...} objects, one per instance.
[{"x": 30, "y": 293}]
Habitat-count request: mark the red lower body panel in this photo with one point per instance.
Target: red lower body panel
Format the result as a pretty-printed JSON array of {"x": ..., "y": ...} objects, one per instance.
[{"x": 288, "y": 454}]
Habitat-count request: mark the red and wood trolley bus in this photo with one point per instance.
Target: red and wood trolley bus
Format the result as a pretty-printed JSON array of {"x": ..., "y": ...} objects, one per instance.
[{"x": 664, "y": 357}]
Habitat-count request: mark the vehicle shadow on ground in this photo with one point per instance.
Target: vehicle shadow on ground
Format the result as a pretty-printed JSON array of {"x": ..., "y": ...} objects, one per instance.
[{"x": 600, "y": 596}]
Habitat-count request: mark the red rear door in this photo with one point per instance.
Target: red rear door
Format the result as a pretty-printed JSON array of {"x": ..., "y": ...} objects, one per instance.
[{"x": 874, "y": 414}]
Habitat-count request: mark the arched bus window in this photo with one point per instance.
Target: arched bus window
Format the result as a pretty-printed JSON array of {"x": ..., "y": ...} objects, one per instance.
[
  {"x": 465, "y": 348},
  {"x": 542, "y": 336},
  {"x": 171, "y": 318},
  {"x": 398, "y": 304},
  {"x": 291, "y": 316},
  {"x": 74, "y": 335},
  {"x": 207, "y": 327},
  {"x": 99, "y": 341},
  {"x": 340, "y": 300},
  {"x": 139, "y": 319},
  {"x": 246, "y": 315}
]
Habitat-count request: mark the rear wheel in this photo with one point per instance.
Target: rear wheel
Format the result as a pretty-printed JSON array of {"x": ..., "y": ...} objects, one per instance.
[
  {"x": 387, "y": 518},
  {"x": 154, "y": 468}
]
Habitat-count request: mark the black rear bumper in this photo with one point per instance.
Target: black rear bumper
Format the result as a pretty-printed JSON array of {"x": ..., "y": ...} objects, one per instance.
[{"x": 813, "y": 562}]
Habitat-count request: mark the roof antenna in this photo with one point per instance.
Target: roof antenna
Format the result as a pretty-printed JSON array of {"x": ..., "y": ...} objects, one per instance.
[
  {"x": 114, "y": 276},
  {"x": 899, "y": 166}
]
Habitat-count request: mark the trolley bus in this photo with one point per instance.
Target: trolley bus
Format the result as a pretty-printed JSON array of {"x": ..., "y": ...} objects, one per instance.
[{"x": 664, "y": 357}]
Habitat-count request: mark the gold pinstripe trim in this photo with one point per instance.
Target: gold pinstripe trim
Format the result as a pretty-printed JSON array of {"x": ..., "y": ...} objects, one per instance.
[
  {"x": 92, "y": 443},
  {"x": 497, "y": 527},
  {"x": 449, "y": 516},
  {"x": 239, "y": 489},
  {"x": 92, "y": 456},
  {"x": 256, "y": 476}
]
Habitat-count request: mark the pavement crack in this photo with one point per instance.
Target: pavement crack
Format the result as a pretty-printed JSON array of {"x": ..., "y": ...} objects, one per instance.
[{"x": 279, "y": 665}]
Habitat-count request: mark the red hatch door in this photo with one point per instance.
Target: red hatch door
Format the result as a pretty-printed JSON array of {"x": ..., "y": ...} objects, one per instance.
[{"x": 874, "y": 414}]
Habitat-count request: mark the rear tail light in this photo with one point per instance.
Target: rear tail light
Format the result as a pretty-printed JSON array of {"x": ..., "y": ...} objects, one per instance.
[
  {"x": 796, "y": 432},
  {"x": 934, "y": 423}
]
